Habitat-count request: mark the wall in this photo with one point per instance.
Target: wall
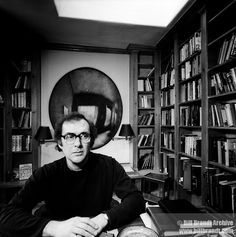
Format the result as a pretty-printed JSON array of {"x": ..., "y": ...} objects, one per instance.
[{"x": 57, "y": 63}]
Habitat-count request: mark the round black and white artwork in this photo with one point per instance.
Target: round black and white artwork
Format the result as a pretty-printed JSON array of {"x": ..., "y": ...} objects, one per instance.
[{"x": 93, "y": 94}]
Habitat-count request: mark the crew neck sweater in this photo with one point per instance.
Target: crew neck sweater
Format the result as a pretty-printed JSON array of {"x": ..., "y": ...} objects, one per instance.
[{"x": 67, "y": 193}]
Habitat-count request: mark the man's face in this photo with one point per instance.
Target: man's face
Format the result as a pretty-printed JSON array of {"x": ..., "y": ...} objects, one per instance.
[{"x": 77, "y": 152}]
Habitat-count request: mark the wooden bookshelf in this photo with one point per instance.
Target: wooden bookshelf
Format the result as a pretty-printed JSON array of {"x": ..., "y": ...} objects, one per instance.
[
  {"x": 201, "y": 46},
  {"x": 19, "y": 116},
  {"x": 221, "y": 91},
  {"x": 143, "y": 107}
]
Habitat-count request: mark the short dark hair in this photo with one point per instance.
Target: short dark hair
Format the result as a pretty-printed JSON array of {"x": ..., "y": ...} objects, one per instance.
[{"x": 76, "y": 117}]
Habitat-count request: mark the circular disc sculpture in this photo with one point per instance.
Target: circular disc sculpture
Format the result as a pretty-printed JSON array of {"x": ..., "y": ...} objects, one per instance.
[{"x": 92, "y": 93}]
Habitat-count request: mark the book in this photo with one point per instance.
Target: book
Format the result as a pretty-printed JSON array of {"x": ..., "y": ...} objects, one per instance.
[
  {"x": 215, "y": 179},
  {"x": 165, "y": 225},
  {"x": 187, "y": 183},
  {"x": 151, "y": 72},
  {"x": 25, "y": 171},
  {"x": 225, "y": 196}
]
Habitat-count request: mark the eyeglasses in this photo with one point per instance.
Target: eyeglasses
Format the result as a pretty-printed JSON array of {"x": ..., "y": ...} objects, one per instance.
[{"x": 71, "y": 137}]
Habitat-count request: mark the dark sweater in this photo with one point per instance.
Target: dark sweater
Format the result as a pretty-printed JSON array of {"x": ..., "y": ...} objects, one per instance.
[{"x": 67, "y": 193}]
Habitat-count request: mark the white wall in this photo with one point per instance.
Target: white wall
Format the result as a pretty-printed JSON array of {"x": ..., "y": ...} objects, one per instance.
[{"x": 56, "y": 64}]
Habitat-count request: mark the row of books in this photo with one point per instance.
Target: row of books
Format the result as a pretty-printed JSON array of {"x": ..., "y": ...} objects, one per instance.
[
  {"x": 190, "y": 68},
  {"x": 146, "y": 161},
  {"x": 146, "y": 72},
  {"x": 223, "y": 115},
  {"x": 146, "y": 140},
  {"x": 191, "y": 115},
  {"x": 227, "y": 49},
  {"x": 145, "y": 85},
  {"x": 21, "y": 99},
  {"x": 146, "y": 101},
  {"x": 222, "y": 191},
  {"x": 167, "y": 164},
  {"x": 168, "y": 140},
  {"x": 191, "y": 144},
  {"x": 23, "y": 171},
  {"x": 190, "y": 175},
  {"x": 223, "y": 82},
  {"x": 191, "y": 90},
  {"x": 146, "y": 119},
  {"x": 21, "y": 143},
  {"x": 168, "y": 78},
  {"x": 23, "y": 82},
  {"x": 21, "y": 119},
  {"x": 168, "y": 117},
  {"x": 223, "y": 151},
  {"x": 193, "y": 45},
  {"x": 168, "y": 97}
]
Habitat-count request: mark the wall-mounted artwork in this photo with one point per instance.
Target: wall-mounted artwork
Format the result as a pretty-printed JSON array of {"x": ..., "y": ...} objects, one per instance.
[{"x": 92, "y": 93}]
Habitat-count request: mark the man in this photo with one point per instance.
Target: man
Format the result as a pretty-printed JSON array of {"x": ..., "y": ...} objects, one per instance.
[{"x": 77, "y": 190}]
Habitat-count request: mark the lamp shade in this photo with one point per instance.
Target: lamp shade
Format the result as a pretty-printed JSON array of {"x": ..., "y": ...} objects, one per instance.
[
  {"x": 126, "y": 131},
  {"x": 43, "y": 134}
]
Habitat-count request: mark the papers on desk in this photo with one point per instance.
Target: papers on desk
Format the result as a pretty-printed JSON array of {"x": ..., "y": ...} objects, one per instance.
[
  {"x": 127, "y": 168},
  {"x": 148, "y": 221}
]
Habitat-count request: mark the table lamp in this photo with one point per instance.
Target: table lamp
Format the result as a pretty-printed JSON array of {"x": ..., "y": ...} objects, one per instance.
[
  {"x": 126, "y": 131},
  {"x": 43, "y": 134}
]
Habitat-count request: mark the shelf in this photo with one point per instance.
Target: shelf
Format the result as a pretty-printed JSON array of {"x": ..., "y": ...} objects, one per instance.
[
  {"x": 223, "y": 167},
  {"x": 21, "y": 108},
  {"x": 146, "y": 126},
  {"x": 167, "y": 149},
  {"x": 145, "y": 147},
  {"x": 190, "y": 57},
  {"x": 198, "y": 101},
  {"x": 220, "y": 13},
  {"x": 233, "y": 129},
  {"x": 190, "y": 156},
  {"x": 145, "y": 92},
  {"x": 191, "y": 127},
  {"x": 16, "y": 128},
  {"x": 146, "y": 108},
  {"x": 12, "y": 184},
  {"x": 193, "y": 78},
  {"x": 210, "y": 44},
  {"x": 167, "y": 88},
  {"x": 227, "y": 95},
  {"x": 144, "y": 65},
  {"x": 168, "y": 126},
  {"x": 220, "y": 67},
  {"x": 167, "y": 107}
]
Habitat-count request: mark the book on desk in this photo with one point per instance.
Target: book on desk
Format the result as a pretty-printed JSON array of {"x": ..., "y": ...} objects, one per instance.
[{"x": 181, "y": 218}]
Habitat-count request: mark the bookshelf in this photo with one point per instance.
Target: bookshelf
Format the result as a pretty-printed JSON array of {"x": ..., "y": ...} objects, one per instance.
[
  {"x": 2, "y": 123},
  {"x": 143, "y": 106},
  {"x": 221, "y": 94},
  {"x": 167, "y": 104},
  {"x": 201, "y": 139},
  {"x": 19, "y": 118}
]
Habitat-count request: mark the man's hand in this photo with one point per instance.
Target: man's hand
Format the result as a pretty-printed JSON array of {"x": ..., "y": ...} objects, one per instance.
[
  {"x": 101, "y": 221},
  {"x": 76, "y": 226}
]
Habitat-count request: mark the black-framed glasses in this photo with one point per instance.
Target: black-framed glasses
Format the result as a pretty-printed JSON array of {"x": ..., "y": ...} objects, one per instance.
[{"x": 70, "y": 138}]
